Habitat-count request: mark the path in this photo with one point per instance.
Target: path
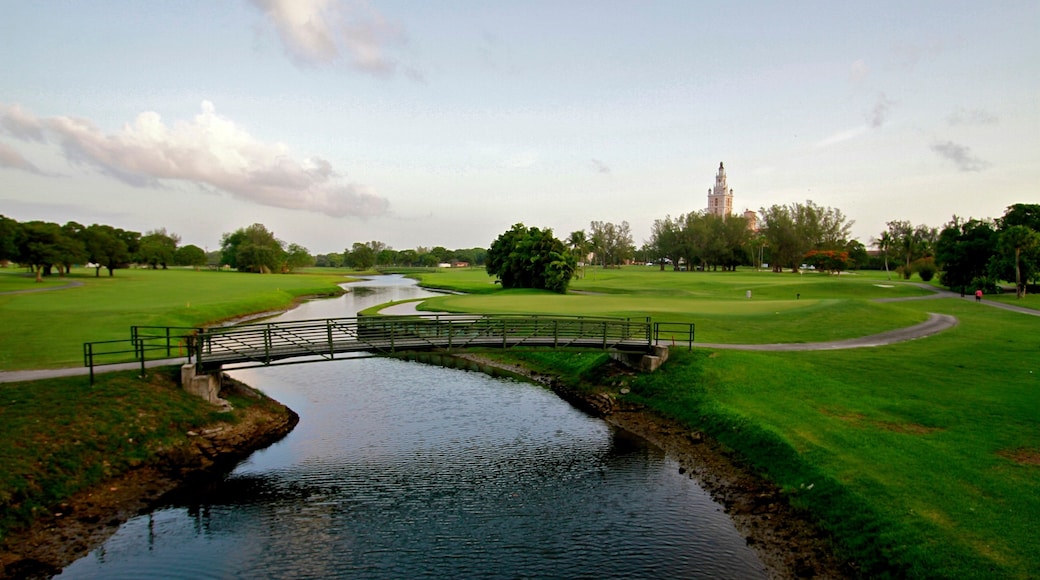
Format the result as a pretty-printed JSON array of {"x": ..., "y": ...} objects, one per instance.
[{"x": 72, "y": 284}]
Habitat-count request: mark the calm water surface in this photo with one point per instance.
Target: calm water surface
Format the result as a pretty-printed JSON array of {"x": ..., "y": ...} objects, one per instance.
[{"x": 402, "y": 470}]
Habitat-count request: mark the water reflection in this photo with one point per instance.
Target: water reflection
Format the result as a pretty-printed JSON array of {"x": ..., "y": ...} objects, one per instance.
[{"x": 398, "y": 469}]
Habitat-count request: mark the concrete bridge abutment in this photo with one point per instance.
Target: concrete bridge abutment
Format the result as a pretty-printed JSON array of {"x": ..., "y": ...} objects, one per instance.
[
  {"x": 206, "y": 385},
  {"x": 646, "y": 362}
]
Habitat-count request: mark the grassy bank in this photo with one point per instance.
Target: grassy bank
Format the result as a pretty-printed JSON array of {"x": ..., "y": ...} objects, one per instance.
[
  {"x": 48, "y": 329},
  {"x": 921, "y": 458},
  {"x": 61, "y": 436}
]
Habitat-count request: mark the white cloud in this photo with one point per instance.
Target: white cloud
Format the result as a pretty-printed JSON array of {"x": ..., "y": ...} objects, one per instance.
[
  {"x": 210, "y": 151},
  {"x": 960, "y": 155},
  {"x": 325, "y": 32},
  {"x": 842, "y": 136},
  {"x": 9, "y": 157}
]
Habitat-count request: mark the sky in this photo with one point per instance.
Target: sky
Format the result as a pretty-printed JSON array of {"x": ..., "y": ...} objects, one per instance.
[{"x": 444, "y": 123}]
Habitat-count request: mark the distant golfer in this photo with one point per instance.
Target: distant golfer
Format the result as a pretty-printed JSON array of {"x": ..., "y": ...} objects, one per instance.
[
  {"x": 978, "y": 295},
  {"x": 749, "y": 294}
]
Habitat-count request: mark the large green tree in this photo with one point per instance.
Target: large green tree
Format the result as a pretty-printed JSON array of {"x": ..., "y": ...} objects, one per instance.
[
  {"x": 190, "y": 255},
  {"x": 252, "y": 249},
  {"x": 525, "y": 257},
  {"x": 158, "y": 248},
  {"x": 9, "y": 231},
  {"x": 39, "y": 246},
  {"x": 963, "y": 252},
  {"x": 106, "y": 247}
]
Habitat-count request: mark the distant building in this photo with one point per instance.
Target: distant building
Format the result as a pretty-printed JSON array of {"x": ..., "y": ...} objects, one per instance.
[
  {"x": 752, "y": 220},
  {"x": 720, "y": 198}
]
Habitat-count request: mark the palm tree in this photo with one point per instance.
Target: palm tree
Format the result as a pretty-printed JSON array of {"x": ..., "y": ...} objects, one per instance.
[
  {"x": 1018, "y": 239},
  {"x": 579, "y": 244},
  {"x": 884, "y": 243}
]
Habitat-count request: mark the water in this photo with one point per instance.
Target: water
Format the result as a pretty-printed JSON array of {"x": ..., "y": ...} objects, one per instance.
[{"x": 402, "y": 470}]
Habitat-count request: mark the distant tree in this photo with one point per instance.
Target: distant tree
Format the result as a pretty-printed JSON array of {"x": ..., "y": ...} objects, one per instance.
[
  {"x": 360, "y": 257},
  {"x": 190, "y": 255},
  {"x": 611, "y": 243},
  {"x": 578, "y": 243},
  {"x": 884, "y": 243},
  {"x": 157, "y": 248},
  {"x": 525, "y": 257},
  {"x": 858, "y": 256},
  {"x": 833, "y": 261},
  {"x": 297, "y": 257},
  {"x": 963, "y": 252},
  {"x": 252, "y": 249},
  {"x": 38, "y": 246},
  {"x": 71, "y": 248},
  {"x": 106, "y": 247},
  {"x": 1022, "y": 214},
  {"x": 1016, "y": 242},
  {"x": 665, "y": 245},
  {"x": 9, "y": 231},
  {"x": 386, "y": 257}
]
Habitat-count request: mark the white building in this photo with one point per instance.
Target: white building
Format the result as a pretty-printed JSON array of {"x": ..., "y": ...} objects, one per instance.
[{"x": 720, "y": 198}]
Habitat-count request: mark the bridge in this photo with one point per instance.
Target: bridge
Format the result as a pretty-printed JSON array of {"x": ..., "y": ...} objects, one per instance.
[{"x": 292, "y": 342}]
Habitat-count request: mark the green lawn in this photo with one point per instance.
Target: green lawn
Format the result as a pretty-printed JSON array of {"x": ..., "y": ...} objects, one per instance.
[
  {"x": 923, "y": 458},
  {"x": 783, "y": 307},
  {"x": 48, "y": 329}
]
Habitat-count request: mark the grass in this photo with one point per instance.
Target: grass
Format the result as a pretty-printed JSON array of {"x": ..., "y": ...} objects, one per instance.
[
  {"x": 828, "y": 308},
  {"x": 921, "y": 458},
  {"x": 48, "y": 329},
  {"x": 59, "y": 436}
]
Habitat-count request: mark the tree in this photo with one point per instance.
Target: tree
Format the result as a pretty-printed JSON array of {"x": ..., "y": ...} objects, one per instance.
[
  {"x": 106, "y": 246},
  {"x": 963, "y": 252},
  {"x": 252, "y": 249},
  {"x": 9, "y": 232},
  {"x": 885, "y": 242},
  {"x": 1016, "y": 241},
  {"x": 297, "y": 257},
  {"x": 38, "y": 246},
  {"x": 578, "y": 243},
  {"x": 190, "y": 255},
  {"x": 525, "y": 257},
  {"x": 833, "y": 261},
  {"x": 665, "y": 243},
  {"x": 157, "y": 248},
  {"x": 360, "y": 257},
  {"x": 612, "y": 243}
]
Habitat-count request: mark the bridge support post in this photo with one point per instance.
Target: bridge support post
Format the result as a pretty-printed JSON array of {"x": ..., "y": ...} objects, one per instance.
[
  {"x": 646, "y": 362},
  {"x": 206, "y": 385}
]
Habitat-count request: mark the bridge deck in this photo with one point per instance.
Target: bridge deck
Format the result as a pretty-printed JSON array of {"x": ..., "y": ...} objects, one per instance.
[{"x": 266, "y": 343}]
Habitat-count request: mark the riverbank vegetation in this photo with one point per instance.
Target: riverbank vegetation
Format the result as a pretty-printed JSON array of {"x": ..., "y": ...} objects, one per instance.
[
  {"x": 59, "y": 436},
  {"x": 920, "y": 458}
]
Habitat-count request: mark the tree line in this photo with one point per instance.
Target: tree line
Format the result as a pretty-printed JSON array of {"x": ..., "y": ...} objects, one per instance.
[{"x": 971, "y": 254}]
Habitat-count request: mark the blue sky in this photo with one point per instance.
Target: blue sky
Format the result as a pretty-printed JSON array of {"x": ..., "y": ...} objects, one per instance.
[{"x": 444, "y": 123}]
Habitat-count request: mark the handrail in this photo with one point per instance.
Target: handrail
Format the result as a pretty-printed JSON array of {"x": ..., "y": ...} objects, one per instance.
[{"x": 265, "y": 343}]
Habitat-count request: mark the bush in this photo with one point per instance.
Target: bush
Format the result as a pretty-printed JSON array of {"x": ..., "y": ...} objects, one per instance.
[{"x": 925, "y": 268}]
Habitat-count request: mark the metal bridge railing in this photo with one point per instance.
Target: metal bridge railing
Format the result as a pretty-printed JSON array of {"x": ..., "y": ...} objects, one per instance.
[{"x": 262, "y": 344}]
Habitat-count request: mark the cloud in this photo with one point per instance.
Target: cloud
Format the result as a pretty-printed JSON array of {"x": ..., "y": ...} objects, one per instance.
[
  {"x": 600, "y": 167},
  {"x": 326, "y": 32},
  {"x": 879, "y": 113},
  {"x": 960, "y": 155},
  {"x": 209, "y": 151},
  {"x": 13, "y": 159},
  {"x": 964, "y": 116},
  {"x": 842, "y": 136}
]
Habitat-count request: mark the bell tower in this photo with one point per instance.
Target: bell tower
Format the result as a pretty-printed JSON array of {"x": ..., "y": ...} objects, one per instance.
[{"x": 720, "y": 198}]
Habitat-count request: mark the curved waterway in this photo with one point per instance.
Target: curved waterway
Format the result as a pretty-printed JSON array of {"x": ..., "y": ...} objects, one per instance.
[{"x": 404, "y": 470}]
